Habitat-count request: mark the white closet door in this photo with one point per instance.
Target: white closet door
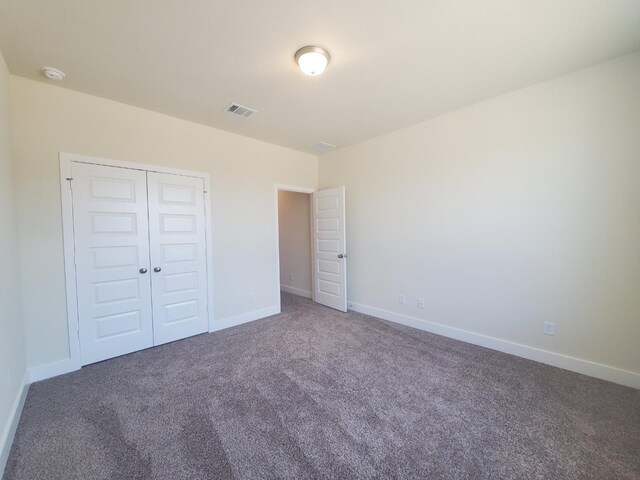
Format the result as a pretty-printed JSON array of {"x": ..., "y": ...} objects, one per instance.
[
  {"x": 329, "y": 248},
  {"x": 112, "y": 261},
  {"x": 177, "y": 238}
]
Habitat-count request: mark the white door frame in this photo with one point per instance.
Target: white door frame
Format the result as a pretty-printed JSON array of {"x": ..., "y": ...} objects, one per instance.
[
  {"x": 289, "y": 188},
  {"x": 68, "y": 237}
]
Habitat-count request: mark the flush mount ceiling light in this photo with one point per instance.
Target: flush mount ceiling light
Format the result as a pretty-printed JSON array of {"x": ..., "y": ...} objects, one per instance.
[
  {"x": 53, "y": 73},
  {"x": 312, "y": 60}
]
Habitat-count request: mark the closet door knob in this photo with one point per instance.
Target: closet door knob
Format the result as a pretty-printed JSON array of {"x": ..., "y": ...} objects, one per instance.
[
  {"x": 157, "y": 269},
  {"x": 143, "y": 270}
]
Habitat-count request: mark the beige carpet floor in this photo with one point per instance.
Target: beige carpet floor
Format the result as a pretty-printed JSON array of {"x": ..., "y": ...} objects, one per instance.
[{"x": 315, "y": 393}]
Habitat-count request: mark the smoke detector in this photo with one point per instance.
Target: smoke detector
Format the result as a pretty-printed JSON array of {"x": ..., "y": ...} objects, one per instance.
[
  {"x": 239, "y": 110},
  {"x": 53, "y": 73}
]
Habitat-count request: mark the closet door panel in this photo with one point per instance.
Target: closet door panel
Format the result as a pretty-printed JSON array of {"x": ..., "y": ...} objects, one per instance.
[
  {"x": 111, "y": 247},
  {"x": 178, "y": 256}
]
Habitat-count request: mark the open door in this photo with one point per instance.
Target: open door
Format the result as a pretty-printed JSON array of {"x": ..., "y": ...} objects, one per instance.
[{"x": 329, "y": 248}]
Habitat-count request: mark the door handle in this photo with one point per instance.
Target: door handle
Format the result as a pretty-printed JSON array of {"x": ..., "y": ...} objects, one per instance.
[
  {"x": 157, "y": 269},
  {"x": 143, "y": 270},
  {"x": 342, "y": 255}
]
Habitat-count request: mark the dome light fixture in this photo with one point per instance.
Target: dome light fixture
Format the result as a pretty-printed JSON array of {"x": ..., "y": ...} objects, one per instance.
[
  {"x": 312, "y": 60},
  {"x": 53, "y": 73}
]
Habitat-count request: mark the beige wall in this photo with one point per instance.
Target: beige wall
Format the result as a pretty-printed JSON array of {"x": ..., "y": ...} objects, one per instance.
[
  {"x": 294, "y": 211},
  {"x": 48, "y": 119},
  {"x": 515, "y": 211},
  {"x": 12, "y": 354},
  {"x": 503, "y": 215}
]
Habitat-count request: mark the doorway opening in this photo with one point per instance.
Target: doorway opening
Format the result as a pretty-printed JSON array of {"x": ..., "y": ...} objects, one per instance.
[
  {"x": 294, "y": 242},
  {"x": 311, "y": 244}
]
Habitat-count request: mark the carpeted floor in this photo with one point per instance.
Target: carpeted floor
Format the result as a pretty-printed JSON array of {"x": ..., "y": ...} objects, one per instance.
[{"x": 314, "y": 393}]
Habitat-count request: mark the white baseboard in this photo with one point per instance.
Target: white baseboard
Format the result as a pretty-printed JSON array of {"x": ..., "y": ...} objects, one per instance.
[
  {"x": 60, "y": 367},
  {"x": 12, "y": 423},
  {"x": 52, "y": 369},
  {"x": 585, "y": 367},
  {"x": 244, "y": 318},
  {"x": 296, "y": 291}
]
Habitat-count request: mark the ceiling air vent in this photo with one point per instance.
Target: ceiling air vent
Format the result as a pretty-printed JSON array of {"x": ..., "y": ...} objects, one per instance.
[
  {"x": 240, "y": 111},
  {"x": 322, "y": 147}
]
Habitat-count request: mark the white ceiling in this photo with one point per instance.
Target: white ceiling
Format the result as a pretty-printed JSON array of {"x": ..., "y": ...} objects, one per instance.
[{"x": 394, "y": 63}]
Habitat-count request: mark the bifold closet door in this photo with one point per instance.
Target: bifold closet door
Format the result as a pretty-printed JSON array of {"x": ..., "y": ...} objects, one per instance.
[
  {"x": 178, "y": 249},
  {"x": 111, "y": 237}
]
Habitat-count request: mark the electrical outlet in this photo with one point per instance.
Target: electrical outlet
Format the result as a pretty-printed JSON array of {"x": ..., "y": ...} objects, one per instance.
[
  {"x": 549, "y": 328},
  {"x": 421, "y": 303},
  {"x": 291, "y": 276},
  {"x": 401, "y": 300}
]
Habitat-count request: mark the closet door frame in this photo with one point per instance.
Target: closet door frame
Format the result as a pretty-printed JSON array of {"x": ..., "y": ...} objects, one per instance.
[{"x": 66, "y": 160}]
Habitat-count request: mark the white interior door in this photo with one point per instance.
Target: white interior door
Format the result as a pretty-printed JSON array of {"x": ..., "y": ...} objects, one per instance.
[
  {"x": 178, "y": 249},
  {"x": 329, "y": 248},
  {"x": 112, "y": 261}
]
